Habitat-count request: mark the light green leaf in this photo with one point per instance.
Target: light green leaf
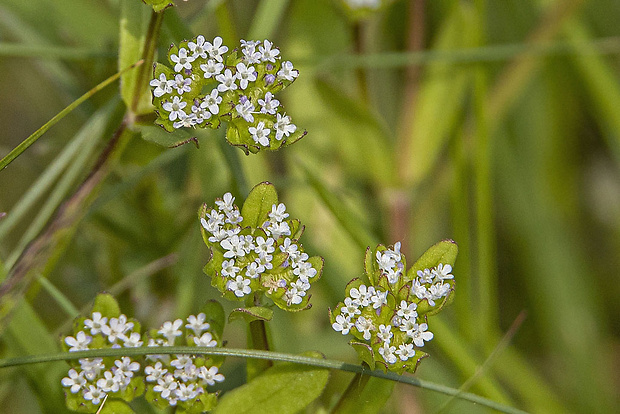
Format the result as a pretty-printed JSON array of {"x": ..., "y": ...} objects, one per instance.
[
  {"x": 283, "y": 389},
  {"x": 257, "y": 206},
  {"x": 373, "y": 397},
  {"x": 215, "y": 316},
  {"x": 364, "y": 352},
  {"x": 443, "y": 252},
  {"x": 159, "y": 5},
  {"x": 107, "y": 306},
  {"x": 251, "y": 314},
  {"x": 116, "y": 407}
]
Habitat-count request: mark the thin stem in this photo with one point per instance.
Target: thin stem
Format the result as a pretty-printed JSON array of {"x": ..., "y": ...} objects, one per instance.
[
  {"x": 17, "y": 151},
  {"x": 148, "y": 55},
  {"x": 258, "y": 339},
  {"x": 253, "y": 354}
]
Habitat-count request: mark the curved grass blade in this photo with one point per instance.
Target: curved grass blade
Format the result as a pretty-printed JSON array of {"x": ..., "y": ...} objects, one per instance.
[{"x": 18, "y": 150}]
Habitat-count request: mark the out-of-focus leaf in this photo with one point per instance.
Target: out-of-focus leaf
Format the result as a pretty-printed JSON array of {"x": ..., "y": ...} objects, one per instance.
[
  {"x": 116, "y": 407},
  {"x": 284, "y": 389},
  {"x": 107, "y": 306},
  {"x": 159, "y": 136},
  {"x": 215, "y": 316},
  {"x": 134, "y": 25},
  {"x": 372, "y": 398},
  {"x": 159, "y": 5}
]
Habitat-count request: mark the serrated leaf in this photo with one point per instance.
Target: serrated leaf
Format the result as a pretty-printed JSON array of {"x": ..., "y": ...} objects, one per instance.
[
  {"x": 257, "y": 206},
  {"x": 114, "y": 406},
  {"x": 251, "y": 314},
  {"x": 107, "y": 306},
  {"x": 160, "y": 136},
  {"x": 284, "y": 389},
  {"x": 443, "y": 252}
]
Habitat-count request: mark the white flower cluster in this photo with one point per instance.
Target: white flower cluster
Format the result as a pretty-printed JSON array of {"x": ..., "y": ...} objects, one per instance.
[
  {"x": 94, "y": 380},
  {"x": 393, "y": 331},
  {"x": 248, "y": 259},
  {"x": 244, "y": 89},
  {"x": 181, "y": 378}
]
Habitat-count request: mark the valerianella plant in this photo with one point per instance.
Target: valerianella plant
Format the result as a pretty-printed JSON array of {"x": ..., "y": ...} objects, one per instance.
[
  {"x": 256, "y": 251},
  {"x": 169, "y": 380},
  {"x": 207, "y": 85},
  {"x": 388, "y": 316}
]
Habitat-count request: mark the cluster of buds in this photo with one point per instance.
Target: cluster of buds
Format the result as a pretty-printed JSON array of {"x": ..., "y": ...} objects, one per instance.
[
  {"x": 257, "y": 250},
  {"x": 388, "y": 317},
  {"x": 208, "y": 85},
  {"x": 178, "y": 380}
]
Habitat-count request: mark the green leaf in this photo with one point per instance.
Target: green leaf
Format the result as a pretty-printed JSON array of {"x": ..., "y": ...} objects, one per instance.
[
  {"x": 364, "y": 352},
  {"x": 133, "y": 28},
  {"x": 216, "y": 316},
  {"x": 107, "y": 306},
  {"x": 284, "y": 389},
  {"x": 257, "y": 206},
  {"x": 251, "y": 314},
  {"x": 372, "y": 398},
  {"x": 443, "y": 252},
  {"x": 160, "y": 136},
  {"x": 114, "y": 406}
]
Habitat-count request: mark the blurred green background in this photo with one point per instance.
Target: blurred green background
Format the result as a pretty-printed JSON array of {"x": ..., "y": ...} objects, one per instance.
[{"x": 494, "y": 123}]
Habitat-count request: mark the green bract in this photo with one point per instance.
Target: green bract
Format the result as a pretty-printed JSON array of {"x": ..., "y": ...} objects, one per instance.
[
  {"x": 388, "y": 316},
  {"x": 257, "y": 252},
  {"x": 206, "y": 86},
  {"x": 169, "y": 380}
]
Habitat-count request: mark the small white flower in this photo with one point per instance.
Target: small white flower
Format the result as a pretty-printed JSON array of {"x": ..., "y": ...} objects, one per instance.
[
  {"x": 94, "y": 394},
  {"x": 162, "y": 85},
  {"x": 405, "y": 351},
  {"x": 407, "y": 310},
  {"x": 362, "y": 294},
  {"x": 240, "y": 286},
  {"x": 187, "y": 120},
  {"x": 267, "y": 53},
  {"x": 420, "y": 334},
  {"x": 182, "y": 361},
  {"x": 418, "y": 289},
  {"x": 75, "y": 380},
  {"x": 166, "y": 385},
  {"x": 126, "y": 366},
  {"x": 425, "y": 276},
  {"x": 182, "y": 60},
  {"x": 260, "y": 134},
  {"x": 343, "y": 324},
  {"x": 216, "y": 50},
  {"x": 279, "y": 229},
  {"x": 248, "y": 48},
  {"x": 109, "y": 382},
  {"x": 154, "y": 373},
  {"x": 233, "y": 246},
  {"x": 226, "y": 80},
  {"x": 278, "y": 213},
  {"x": 198, "y": 48},
  {"x": 210, "y": 375},
  {"x": 269, "y": 104},
  {"x": 350, "y": 308},
  {"x": 385, "y": 333},
  {"x": 378, "y": 298},
  {"x": 226, "y": 204},
  {"x": 388, "y": 353},
  {"x": 254, "y": 270},
  {"x": 287, "y": 71},
  {"x": 182, "y": 84},
  {"x": 91, "y": 367},
  {"x": 385, "y": 261},
  {"x": 283, "y": 126},
  {"x": 170, "y": 330},
  {"x": 245, "y": 110},
  {"x": 364, "y": 326},
  {"x": 442, "y": 272},
  {"x": 132, "y": 341},
  {"x": 245, "y": 74},
  {"x": 213, "y": 101},
  {"x": 264, "y": 246},
  {"x": 175, "y": 108},
  {"x": 205, "y": 340},
  {"x": 294, "y": 295},
  {"x": 79, "y": 343},
  {"x": 186, "y": 392},
  {"x": 305, "y": 271},
  {"x": 197, "y": 323},
  {"x": 264, "y": 260},
  {"x": 96, "y": 323},
  {"x": 212, "y": 68}
]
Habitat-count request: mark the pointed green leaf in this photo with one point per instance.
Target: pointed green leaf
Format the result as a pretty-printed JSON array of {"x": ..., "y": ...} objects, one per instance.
[
  {"x": 159, "y": 136},
  {"x": 257, "y": 206},
  {"x": 107, "y": 306},
  {"x": 443, "y": 252},
  {"x": 251, "y": 314},
  {"x": 284, "y": 389},
  {"x": 364, "y": 352}
]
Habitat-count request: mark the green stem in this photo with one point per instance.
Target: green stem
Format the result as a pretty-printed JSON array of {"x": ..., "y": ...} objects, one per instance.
[
  {"x": 258, "y": 339},
  {"x": 253, "y": 354},
  {"x": 17, "y": 151},
  {"x": 148, "y": 55}
]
